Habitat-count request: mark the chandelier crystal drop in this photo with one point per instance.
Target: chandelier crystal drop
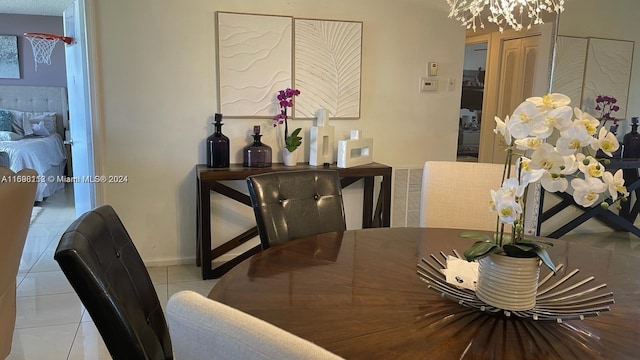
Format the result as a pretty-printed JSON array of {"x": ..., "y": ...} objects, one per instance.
[{"x": 504, "y": 13}]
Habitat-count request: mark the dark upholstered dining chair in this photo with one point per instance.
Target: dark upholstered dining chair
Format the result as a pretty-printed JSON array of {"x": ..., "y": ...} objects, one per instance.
[
  {"x": 294, "y": 204},
  {"x": 102, "y": 264}
]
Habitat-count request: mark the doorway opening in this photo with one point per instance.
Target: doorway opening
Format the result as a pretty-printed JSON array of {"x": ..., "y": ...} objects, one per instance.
[{"x": 473, "y": 79}]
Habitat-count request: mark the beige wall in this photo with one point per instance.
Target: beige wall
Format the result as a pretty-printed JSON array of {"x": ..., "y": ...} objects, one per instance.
[{"x": 158, "y": 86}]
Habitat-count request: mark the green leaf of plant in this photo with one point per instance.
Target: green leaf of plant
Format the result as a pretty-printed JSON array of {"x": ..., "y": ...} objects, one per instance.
[
  {"x": 546, "y": 259},
  {"x": 538, "y": 243},
  {"x": 293, "y": 141},
  {"x": 481, "y": 249},
  {"x": 527, "y": 250},
  {"x": 520, "y": 250}
]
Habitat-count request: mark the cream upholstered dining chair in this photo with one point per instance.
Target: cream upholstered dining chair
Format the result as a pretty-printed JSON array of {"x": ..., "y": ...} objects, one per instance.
[
  {"x": 457, "y": 195},
  {"x": 16, "y": 203},
  {"x": 203, "y": 329}
]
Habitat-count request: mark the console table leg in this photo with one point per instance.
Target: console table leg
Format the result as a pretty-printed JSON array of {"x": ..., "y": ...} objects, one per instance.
[{"x": 367, "y": 202}]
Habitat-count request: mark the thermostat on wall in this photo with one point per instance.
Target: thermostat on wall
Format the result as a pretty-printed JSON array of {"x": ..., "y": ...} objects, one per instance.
[
  {"x": 427, "y": 84},
  {"x": 432, "y": 69}
]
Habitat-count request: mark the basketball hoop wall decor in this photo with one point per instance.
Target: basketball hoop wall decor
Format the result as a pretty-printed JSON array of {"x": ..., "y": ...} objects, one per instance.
[{"x": 43, "y": 44}]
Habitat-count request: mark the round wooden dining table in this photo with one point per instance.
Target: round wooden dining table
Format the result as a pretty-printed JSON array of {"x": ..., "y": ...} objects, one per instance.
[{"x": 356, "y": 293}]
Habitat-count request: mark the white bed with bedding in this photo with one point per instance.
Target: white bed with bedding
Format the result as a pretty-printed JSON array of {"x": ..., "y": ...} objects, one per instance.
[{"x": 39, "y": 119}]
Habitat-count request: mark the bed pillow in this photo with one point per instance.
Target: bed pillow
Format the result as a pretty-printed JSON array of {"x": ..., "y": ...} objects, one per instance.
[
  {"x": 40, "y": 129},
  {"x": 20, "y": 124},
  {"x": 9, "y": 136},
  {"x": 6, "y": 120},
  {"x": 49, "y": 119}
]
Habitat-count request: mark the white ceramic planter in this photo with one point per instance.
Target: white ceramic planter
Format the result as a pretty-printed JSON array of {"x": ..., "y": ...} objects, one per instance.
[
  {"x": 508, "y": 283},
  {"x": 290, "y": 158}
]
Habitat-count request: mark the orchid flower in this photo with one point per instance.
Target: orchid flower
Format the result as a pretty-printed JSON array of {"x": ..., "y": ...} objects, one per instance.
[
  {"x": 528, "y": 143},
  {"x": 554, "y": 182},
  {"x": 606, "y": 141},
  {"x": 589, "y": 122},
  {"x": 521, "y": 120},
  {"x": 502, "y": 128},
  {"x": 587, "y": 191},
  {"x": 570, "y": 164},
  {"x": 589, "y": 166},
  {"x": 558, "y": 118},
  {"x": 550, "y": 101},
  {"x": 506, "y": 205},
  {"x": 512, "y": 187},
  {"x": 572, "y": 139},
  {"x": 547, "y": 158},
  {"x": 529, "y": 175},
  {"x": 615, "y": 184}
]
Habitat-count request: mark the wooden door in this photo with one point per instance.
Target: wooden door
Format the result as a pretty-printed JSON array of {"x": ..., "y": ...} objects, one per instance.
[{"x": 517, "y": 79}]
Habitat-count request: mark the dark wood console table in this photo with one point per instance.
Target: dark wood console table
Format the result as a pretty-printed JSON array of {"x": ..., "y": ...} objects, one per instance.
[
  {"x": 210, "y": 179},
  {"x": 622, "y": 221}
]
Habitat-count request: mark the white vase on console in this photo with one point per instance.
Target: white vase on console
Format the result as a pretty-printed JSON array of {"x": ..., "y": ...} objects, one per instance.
[{"x": 290, "y": 158}]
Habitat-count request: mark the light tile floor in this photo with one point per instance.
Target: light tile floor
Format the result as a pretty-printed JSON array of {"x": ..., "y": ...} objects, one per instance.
[{"x": 51, "y": 322}]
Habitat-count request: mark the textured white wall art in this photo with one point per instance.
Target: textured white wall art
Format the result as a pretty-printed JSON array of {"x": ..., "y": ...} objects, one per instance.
[
  {"x": 254, "y": 62},
  {"x": 568, "y": 73},
  {"x": 327, "y": 67},
  {"x": 608, "y": 72},
  {"x": 355, "y": 151},
  {"x": 321, "y": 142}
]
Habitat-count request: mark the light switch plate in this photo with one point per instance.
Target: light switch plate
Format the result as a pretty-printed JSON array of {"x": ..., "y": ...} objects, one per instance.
[
  {"x": 451, "y": 84},
  {"x": 428, "y": 85}
]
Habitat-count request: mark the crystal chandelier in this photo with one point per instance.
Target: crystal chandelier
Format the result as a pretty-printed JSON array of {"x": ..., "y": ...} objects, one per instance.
[{"x": 503, "y": 13}]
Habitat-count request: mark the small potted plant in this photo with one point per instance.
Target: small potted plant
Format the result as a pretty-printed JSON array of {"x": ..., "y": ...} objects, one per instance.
[
  {"x": 606, "y": 106},
  {"x": 293, "y": 141},
  {"x": 526, "y": 133}
]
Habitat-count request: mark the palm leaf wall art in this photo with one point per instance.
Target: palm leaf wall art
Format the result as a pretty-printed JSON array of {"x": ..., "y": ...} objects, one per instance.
[{"x": 327, "y": 67}]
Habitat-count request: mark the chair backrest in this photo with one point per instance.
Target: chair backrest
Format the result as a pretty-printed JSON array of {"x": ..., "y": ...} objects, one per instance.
[
  {"x": 294, "y": 204},
  {"x": 102, "y": 264},
  {"x": 204, "y": 329},
  {"x": 16, "y": 203},
  {"x": 457, "y": 195}
]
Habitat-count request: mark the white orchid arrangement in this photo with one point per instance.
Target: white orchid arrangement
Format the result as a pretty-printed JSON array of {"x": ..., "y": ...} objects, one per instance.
[{"x": 567, "y": 164}]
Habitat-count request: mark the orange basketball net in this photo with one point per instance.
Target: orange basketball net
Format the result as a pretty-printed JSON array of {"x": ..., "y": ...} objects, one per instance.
[{"x": 43, "y": 44}]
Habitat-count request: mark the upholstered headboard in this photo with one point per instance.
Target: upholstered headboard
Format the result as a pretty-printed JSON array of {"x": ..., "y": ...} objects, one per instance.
[{"x": 38, "y": 99}]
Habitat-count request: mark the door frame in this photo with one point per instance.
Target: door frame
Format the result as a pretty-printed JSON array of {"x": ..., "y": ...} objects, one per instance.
[{"x": 92, "y": 96}]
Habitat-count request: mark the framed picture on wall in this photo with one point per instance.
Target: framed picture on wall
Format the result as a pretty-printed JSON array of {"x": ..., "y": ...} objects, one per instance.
[
  {"x": 9, "y": 65},
  {"x": 254, "y": 62},
  {"x": 328, "y": 57}
]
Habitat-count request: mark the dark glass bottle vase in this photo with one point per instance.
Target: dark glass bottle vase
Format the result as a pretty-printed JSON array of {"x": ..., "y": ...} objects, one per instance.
[
  {"x": 257, "y": 154},
  {"x": 631, "y": 141},
  {"x": 218, "y": 146}
]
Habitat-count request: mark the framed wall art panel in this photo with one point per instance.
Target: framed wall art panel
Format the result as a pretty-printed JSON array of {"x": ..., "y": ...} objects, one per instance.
[
  {"x": 607, "y": 72},
  {"x": 570, "y": 62},
  {"x": 9, "y": 64},
  {"x": 328, "y": 56},
  {"x": 254, "y": 62}
]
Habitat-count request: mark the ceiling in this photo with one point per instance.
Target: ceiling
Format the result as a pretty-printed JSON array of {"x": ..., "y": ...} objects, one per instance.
[{"x": 34, "y": 7}]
